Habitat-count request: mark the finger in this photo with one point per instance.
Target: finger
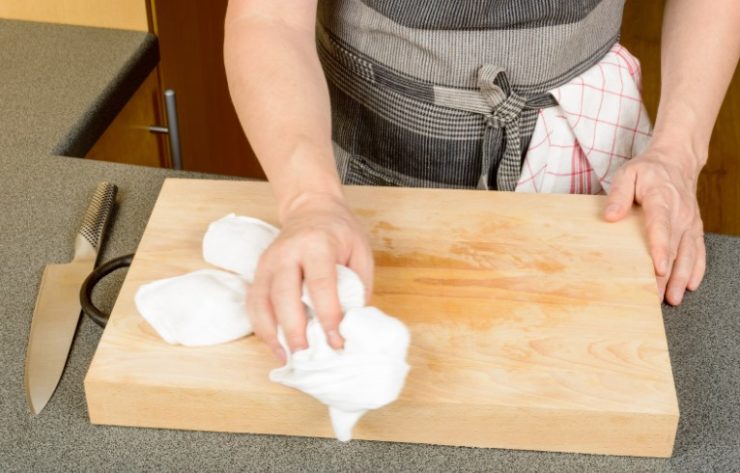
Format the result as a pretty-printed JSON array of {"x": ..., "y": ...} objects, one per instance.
[
  {"x": 682, "y": 268},
  {"x": 700, "y": 265},
  {"x": 361, "y": 262},
  {"x": 621, "y": 195},
  {"x": 662, "y": 283},
  {"x": 658, "y": 224},
  {"x": 285, "y": 297},
  {"x": 261, "y": 314},
  {"x": 320, "y": 273}
]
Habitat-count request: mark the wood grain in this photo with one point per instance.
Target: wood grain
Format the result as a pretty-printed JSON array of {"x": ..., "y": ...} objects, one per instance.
[
  {"x": 535, "y": 325},
  {"x": 191, "y": 38},
  {"x": 123, "y": 14}
]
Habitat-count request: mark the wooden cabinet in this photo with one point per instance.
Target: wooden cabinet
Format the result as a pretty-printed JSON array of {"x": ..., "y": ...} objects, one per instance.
[
  {"x": 191, "y": 36},
  {"x": 128, "y": 138},
  {"x": 123, "y": 14}
]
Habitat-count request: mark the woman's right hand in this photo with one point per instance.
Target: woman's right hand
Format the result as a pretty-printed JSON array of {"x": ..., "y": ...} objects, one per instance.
[{"x": 319, "y": 231}]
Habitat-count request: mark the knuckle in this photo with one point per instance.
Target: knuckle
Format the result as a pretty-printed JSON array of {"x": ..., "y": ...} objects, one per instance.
[
  {"x": 616, "y": 191},
  {"x": 657, "y": 248},
  {"x": 261, "y": 319},
  {"x": 623, "y": 179},
  {"x": 321, "y": 284},
  {"x": 658, "y": 234},
  {"x": 682, "y": 277},
  {"x": 327, "y": 307},
  {"x": 260, "y": 306},
  {"x": 661, "y": 200},
  {"x": 344, "y": 233},
  {"x": 296, "y": 340},
  {"x": 672, "y": 251},
  {"x": 266, "y": 263},
  {"x": 330, "y": 321},
  {"x": 660, "y": 253},
  {"x": 329, "y": 318},
  {"x": 257, "y": 290},
  {"x": 283, "y": 288},
  {"x": 316, "y": 238},
  {"x": 281, "y": 252},
  {"x": 627, "y": 168},
  {"x": 682, "y": 272},
  {"x": 265, "y": 333}
]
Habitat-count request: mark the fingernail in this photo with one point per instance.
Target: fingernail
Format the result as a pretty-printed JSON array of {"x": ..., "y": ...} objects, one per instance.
[
  {"x": 334, "y": 339},
  {"x": 612, "y": 208},
  {"x": 280, "y": 353},
  {"x": 662, "y": 267}
]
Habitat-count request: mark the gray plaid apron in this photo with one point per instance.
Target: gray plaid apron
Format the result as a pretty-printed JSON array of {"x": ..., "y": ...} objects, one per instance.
[{"x": 442, "y": 93}]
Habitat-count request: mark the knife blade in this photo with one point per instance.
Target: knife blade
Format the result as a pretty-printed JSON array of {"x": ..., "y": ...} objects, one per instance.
[{"x": 57, "y": 308}]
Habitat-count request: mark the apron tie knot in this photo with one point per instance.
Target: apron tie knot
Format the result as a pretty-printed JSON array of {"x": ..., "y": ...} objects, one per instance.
[{"x": 507, "y": 107}]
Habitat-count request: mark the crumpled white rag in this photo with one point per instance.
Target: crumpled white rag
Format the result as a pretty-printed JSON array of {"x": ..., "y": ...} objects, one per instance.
[
  {"x": 368, "y": 373},
  {"x": 235, "y": 242},
  {"x": 207, "y": 307},
  {"x": 204, "y": 307}
]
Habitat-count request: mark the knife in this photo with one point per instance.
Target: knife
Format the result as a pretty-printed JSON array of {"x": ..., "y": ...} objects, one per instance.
[{"x": 57, "y": 308}]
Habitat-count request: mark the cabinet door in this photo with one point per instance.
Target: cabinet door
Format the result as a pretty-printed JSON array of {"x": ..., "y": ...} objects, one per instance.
[
  {"x": 128, "y": 139},
  {"x": 191, "y": 35}
]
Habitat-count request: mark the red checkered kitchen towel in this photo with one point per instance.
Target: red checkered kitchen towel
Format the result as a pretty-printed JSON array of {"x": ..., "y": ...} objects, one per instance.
[{"x": 599, "y": 123}]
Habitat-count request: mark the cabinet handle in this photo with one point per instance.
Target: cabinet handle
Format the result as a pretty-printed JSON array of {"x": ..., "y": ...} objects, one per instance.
[{"x": 172, "y": 129}]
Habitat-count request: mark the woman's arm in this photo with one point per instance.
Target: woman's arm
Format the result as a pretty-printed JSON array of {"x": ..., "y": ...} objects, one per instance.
[
  {"x": 280, "y": 94},
  {"x": 699, "y": 53}
]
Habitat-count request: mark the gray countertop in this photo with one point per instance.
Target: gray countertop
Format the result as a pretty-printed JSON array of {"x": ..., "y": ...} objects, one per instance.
[{"x": 59, "y": 87}]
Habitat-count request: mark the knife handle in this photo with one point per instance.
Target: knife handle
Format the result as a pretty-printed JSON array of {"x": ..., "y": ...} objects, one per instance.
[{"x": 95, "y": 221}]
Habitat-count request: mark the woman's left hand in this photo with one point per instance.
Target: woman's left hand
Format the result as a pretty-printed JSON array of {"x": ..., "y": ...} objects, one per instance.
[{"x": 663, "y": 182}]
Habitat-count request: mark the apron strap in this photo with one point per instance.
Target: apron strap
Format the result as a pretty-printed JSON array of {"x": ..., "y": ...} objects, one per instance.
[{"x": 507, "y": 108}]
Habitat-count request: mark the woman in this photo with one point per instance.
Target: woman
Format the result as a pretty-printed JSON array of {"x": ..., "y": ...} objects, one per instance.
[{"x": 462, "y": 94}]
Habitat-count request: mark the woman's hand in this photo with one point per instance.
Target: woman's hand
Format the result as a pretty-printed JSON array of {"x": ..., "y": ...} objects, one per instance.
[
  {"x": 664, "y": 184},
  {"x": 319, "y": 231}
]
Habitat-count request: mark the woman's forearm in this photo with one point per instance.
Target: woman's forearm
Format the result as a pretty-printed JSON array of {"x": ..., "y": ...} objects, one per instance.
[
  {"x": 280, "y": 95},
  {"x": 699, "y": 52}
]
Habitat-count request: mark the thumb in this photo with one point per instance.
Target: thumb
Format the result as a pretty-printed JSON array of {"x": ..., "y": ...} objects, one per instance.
[{"x": 621, "y": 195}]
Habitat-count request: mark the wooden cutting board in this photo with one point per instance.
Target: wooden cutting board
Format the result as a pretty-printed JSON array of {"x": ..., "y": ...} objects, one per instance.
[{"x": 534, "y": 324}]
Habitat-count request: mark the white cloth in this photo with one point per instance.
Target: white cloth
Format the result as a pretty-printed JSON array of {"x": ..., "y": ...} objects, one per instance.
[
  {"x": 368, "y": 373},
  {"x": 207, "y": 307},
  {"x": 236, "y": 243},
  {"x": 204, "y": 307},
  {"x": 599, "y": 123}
]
